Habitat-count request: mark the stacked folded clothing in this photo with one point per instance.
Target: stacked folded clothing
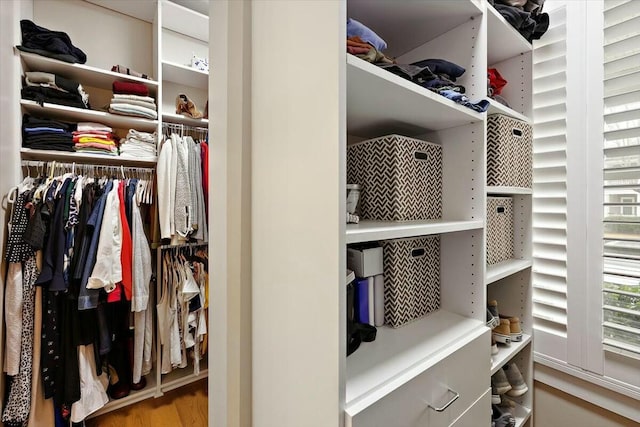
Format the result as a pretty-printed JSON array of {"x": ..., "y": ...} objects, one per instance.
[
  {"x": 45, "y": 134},
  {"x": 525, "y": 16},
  {"x": 437, "y": 75},
  {"x": 46, "y": 87},
  {"x": 139, "y": 145},
  {"x": 365, "y": 43},
  {"x": 132, "y": 99},
  {"x": 95, "y": 138}
]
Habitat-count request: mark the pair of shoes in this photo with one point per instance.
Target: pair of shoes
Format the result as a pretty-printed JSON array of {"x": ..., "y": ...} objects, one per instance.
[
  {"x": 508, "y": 328},
  {"x": 509, "y": 380},
  {"x": 186, "y": 107},
  {"x": 502, "y": 418}
]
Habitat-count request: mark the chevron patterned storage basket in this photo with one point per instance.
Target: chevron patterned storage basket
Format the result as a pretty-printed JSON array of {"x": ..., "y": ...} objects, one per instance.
[
  {"x": 499, "y": 229},
  {"x": 401, "y": 178},
  {"x": 509, "y": 152},
  {"x": 411, "y": 278}
]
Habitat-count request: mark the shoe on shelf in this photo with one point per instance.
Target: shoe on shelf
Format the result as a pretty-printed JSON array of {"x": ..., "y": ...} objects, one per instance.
[
  {"x": 505, "y": 402},
  {"x": 502, "y": 418},
  {"x": 518, "y": 386},
  {"x": 499, "y": 383},
  {"x": 494, "y": 346},
  {"x": 502, "y": 332},
  {"x": 514, "y": 326},
  {"x": 492, "y": 321},
  {"x": 493, "y": 308}
]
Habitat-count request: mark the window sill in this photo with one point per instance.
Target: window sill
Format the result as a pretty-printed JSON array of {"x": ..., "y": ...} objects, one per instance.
[{"x": 598, "y": 390}]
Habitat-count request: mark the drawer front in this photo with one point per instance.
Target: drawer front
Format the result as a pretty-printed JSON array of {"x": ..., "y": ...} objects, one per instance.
[
  {"x": 481, "y": 410},
  {"x": 465, "y": 372}
]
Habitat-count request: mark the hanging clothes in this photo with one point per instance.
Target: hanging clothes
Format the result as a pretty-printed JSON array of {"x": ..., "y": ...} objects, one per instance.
[{"x": 84, "y": 231}]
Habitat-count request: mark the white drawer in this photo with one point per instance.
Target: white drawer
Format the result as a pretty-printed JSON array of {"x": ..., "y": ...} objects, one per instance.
[
  {"x": 465, "y": 372},
  {"x": 481, "y": 410}
]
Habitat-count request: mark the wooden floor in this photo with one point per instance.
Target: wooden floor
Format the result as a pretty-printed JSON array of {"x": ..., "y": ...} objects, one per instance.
[{"x": 183, "y": 407}]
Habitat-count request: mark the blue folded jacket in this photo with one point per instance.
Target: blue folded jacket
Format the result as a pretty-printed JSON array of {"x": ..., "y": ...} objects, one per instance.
[{"x": 355, "y": 28}]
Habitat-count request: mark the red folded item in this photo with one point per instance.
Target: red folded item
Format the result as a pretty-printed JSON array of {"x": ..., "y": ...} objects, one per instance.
[
  {"x": 130, "y": 88},
  {"x": 496, "y": 81}
]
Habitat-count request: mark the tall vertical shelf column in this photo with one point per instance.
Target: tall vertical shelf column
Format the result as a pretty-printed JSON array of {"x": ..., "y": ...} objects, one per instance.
[
  {"x": 509, "y": 282},
  {"x": 391, "y": 380}
]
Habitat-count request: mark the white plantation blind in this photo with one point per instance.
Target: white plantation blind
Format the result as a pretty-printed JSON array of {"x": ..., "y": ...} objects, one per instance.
[
  {"x": 549, "y": 183},
  {"x": 621, "y": 185}
]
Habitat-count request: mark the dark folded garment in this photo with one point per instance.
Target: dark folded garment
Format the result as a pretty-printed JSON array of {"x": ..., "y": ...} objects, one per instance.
[
  {"x": 519, "y": 19},
  {"x": 53, "y": 44},
  {"x": 52, "y": 147},
  {"x": 416, "y": 74},
  {"x": 42, "y": 94},
  {"x": 441, "y": 66},
  {"x": 32, "y": 122},
  {"x": 130, "y": 88}
]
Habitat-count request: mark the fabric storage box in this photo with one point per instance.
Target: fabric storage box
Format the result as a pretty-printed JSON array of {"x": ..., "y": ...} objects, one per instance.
[
  {"x": 499, "y": 229},
  {"x": 411, "y": 278},
  {"x": 401, "y": 178},
  {"x": 509, "y": 152}
]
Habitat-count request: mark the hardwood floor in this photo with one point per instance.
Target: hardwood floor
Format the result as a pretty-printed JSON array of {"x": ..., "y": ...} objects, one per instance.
[{"x": 183, "y": 407}]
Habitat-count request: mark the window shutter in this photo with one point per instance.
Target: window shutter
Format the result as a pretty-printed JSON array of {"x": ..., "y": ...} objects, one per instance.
[
  {"x": 621, "y": 186},
  {"x": 550, "y": 188}
]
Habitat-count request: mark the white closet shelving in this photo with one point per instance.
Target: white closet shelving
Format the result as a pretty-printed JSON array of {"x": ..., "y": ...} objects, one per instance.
[
  {"x": 383, "y": 379},
  {"x": 509, "y": 282},
  {"x": 153, "y": 37},
  {"x": 379, "y": 374}
]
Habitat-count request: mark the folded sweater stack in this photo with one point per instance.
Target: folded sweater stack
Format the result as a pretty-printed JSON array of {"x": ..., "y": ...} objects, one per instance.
[
  {"x": 132, "y": 99},
  {"x": 95, "y": 138},
  {"x": 139, "y": 145},
  {"x": 45, "y": 134},
  {"x": 46, "y": 87}
]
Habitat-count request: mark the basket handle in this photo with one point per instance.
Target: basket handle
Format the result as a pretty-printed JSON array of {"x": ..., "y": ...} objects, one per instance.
[
  {"x": 421, "y": 156},
  {"x": 517, "y": 132},
  {"x": 417, "y": 252},
  {"x": 500, "y": 209}
]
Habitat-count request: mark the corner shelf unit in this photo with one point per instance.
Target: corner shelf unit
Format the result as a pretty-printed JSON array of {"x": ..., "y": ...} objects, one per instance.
[
  {"x": 166, "y": 35},
  {"x": 380, "y": 103}
]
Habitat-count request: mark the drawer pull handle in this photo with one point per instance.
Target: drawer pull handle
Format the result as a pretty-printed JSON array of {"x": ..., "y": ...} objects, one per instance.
[{"x": 455, "y": 397}]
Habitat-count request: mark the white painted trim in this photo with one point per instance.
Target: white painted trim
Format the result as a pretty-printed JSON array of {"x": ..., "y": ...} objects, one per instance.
[{"x": 589, "y": 387}]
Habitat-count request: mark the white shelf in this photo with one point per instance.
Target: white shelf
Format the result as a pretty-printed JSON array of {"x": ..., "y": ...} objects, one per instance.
[
  {"x": 72, "y": 114},
  {"x": 134, "y": 397},
  {"x": 508, "y": 190},
  {"x": 367, "y": 231},
  {"x": 91, "y": 158},
  {"x": 503, "y": 41},
  {"x": 497, "y": 108},
  {"x": 521, "y": 414},
  {"x": 405, "y": 25},
  {"x": 184, "y": 75},
  {"x": 181, "y": 377},
  {"x": 86, "y": 75},
  {"x": 506, "y": 353},
  {"x": 185, "y": 21},
  {"x": 505, "y": 268},
  {"x": 184, "y": 120},
  {"x": 380, "y": 102},
  {"x": 398, "y": 355}
]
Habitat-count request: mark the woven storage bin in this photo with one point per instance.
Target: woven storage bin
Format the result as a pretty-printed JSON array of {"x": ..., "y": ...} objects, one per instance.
[
  {"x": 411, "y": 278},
  {"x": 509, "y": 152},
  {"x": 499, "y": 229},
  {"x": 401, "y": 178}
]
